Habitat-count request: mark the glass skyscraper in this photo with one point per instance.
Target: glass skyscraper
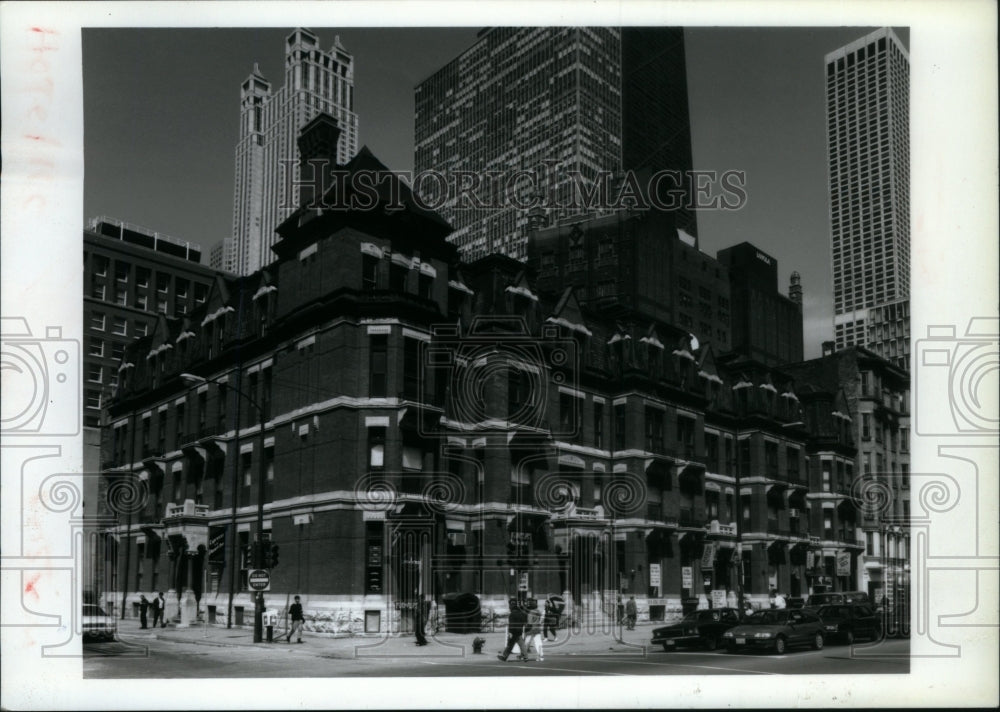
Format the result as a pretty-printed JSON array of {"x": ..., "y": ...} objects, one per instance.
[{"x": 552, "y": 101}]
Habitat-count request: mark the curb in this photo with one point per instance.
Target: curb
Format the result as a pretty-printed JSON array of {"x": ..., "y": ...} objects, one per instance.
[{"x": 344, "y": 647}]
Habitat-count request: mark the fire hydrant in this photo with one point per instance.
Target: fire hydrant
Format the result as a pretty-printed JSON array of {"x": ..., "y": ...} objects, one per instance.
[{"x": 477, "y": 645}]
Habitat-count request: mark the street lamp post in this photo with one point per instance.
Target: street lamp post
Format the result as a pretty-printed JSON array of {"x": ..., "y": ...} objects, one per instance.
[
  {"x": 739, "y": 530},
  {"x": 258, "y": 549}
]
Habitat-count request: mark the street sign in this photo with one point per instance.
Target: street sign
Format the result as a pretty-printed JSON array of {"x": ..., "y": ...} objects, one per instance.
[
  {"x": 843, "y": 563},
  {"x": 686, "y": 577},
  {"x": 654, "y": 575},
  {"x": 259, "y": 580},
  {"x": 523, "y": 583},
  {"x": 708, "y": 555}
]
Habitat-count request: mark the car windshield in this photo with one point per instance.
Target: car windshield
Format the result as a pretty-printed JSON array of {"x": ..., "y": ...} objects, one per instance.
[
  {"x": 834, "y": 612},
  {"x": 92, "y": 610},
  {"x": 691, "y": 617},
  {"x": 821, "y": 599},
  {"x": 775, "y": 617}
]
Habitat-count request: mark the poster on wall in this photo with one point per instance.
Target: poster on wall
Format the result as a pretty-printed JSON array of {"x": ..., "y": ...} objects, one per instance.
[{"x": 843, "y": 563}]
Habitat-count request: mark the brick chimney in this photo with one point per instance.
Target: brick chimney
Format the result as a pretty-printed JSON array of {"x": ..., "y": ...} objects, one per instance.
[{"x": 317, "y": 157}]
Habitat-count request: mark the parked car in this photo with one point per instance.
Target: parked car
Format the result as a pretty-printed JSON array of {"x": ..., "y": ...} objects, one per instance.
[
  {"x": 698, "y": 628},
  {"x": 776, "y": 629},
  {"x": 795, "y": 602},
  {"x": 823, "y": 599},
  {"x": 847, "y": 621},
  {"x": 97, "y": 624}
]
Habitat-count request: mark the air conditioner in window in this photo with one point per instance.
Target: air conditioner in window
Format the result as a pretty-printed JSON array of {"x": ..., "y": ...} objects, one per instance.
[
  {"x": 793, "y": 513},
  {"x": 456, "y": 538}
]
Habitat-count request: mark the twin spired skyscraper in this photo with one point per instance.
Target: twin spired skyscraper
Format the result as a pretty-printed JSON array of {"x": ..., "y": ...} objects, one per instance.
[
  {"x": 868, "y": 115},
  {"x": 316, "y": 81}
]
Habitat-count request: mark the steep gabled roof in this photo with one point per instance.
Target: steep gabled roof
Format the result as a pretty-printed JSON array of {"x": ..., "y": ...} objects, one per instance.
[{"x": 567, "y": 313}]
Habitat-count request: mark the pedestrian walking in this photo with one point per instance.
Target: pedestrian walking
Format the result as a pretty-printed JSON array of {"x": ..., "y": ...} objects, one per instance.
[
  {"x": 533, "y": 631},
  {"x": 143, "y": 608},
  {"x": 515, "y": 631},
  {"x": 630, "y": 613},
  {"x": 160, "y": 610},
  {"x": 419, "y": 620},
  {"x": 779, "y": 600},
  {"x": 298, "y": 620},
  {"x": 551, "y": 620}
]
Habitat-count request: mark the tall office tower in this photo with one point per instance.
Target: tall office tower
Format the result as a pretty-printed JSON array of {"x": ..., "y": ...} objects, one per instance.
[
  {"x": 220, "y": 256},
  {"x": 315, "y": 81},
  {"x": 553, "y": 101},
  {"x": 867, "y": 89},
  {"x": 656, "y": 124}
]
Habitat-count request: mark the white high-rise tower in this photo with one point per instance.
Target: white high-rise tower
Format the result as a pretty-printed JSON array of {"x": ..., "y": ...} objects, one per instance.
[
  {"x": 316, "y": 81},
  {"x": 867, "y": 92}
]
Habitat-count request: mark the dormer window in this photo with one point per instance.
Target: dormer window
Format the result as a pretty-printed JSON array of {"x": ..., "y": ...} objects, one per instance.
[
  {"x": 210, "y": 339},
  {"x": 426, "y": 286},
  {"x": 369, "y": 272},
  {"x": 399, "y": 269}
]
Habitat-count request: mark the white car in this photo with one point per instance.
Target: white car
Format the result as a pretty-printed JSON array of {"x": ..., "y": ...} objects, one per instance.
[{"x": 97, "y": 624}]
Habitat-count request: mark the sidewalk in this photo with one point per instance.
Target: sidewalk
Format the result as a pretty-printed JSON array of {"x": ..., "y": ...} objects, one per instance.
[{"x": 442, "y": 644}]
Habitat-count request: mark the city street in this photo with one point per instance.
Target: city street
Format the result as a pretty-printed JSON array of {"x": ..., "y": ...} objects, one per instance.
[{"x": 172, "y": 659}]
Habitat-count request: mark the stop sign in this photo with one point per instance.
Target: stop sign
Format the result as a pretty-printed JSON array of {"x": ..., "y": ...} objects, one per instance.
[{"x": 259, "y": 580}]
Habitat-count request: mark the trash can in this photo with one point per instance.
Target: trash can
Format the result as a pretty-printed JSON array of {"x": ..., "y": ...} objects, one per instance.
[
  {"x": 462, "y": 613},
  {"x": 689, "y": 605}
]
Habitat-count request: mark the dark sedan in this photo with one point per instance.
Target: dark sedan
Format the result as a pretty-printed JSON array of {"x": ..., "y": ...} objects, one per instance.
[
  {"x": 698, "y": 628},
  {"x": 97, "y": 624},
  {"x": 847, "y": 622},
  {"x": 776, "y": 630}
]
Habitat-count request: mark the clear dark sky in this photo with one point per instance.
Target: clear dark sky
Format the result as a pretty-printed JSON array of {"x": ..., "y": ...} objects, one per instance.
[{"x": 161, "y": 112}]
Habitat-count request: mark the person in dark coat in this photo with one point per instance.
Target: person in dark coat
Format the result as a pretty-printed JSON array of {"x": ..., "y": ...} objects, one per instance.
[
  {"x": 419, "y": 621},
  {"x": 158, "y": 604},
  {"x": 515, "y": 631},
  {"x": 143, "y": 608},
  {"x": 298, "y": 620},
  {"x": 551, "y": 620},
  {"x": 630, "y": 613}
]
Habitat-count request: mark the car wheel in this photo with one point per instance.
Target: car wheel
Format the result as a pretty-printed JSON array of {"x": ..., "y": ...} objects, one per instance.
[
  {"x": 711, "y": 643},
  {"x": 818, "y": 642},
  {"x": 849, "y": 637},
  {"x": 779, "y": 645},
  {"x": 666, "y": 648},
  {"x": 731, "y": 648}
]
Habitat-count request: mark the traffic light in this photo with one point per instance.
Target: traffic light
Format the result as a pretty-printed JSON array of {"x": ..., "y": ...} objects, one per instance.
[
  {"x": 274, "y": 555},
  {"x": 248, "y": 557}
]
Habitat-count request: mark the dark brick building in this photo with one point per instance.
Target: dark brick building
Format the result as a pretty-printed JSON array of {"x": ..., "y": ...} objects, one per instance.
[
  {"x": 131, "y": 275},
  {"x": 877, "y": 398},
  {"x": 427, "y": 428},
  {"x": 766, "y": 325},
  {"x": 636, "y": 261}
]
